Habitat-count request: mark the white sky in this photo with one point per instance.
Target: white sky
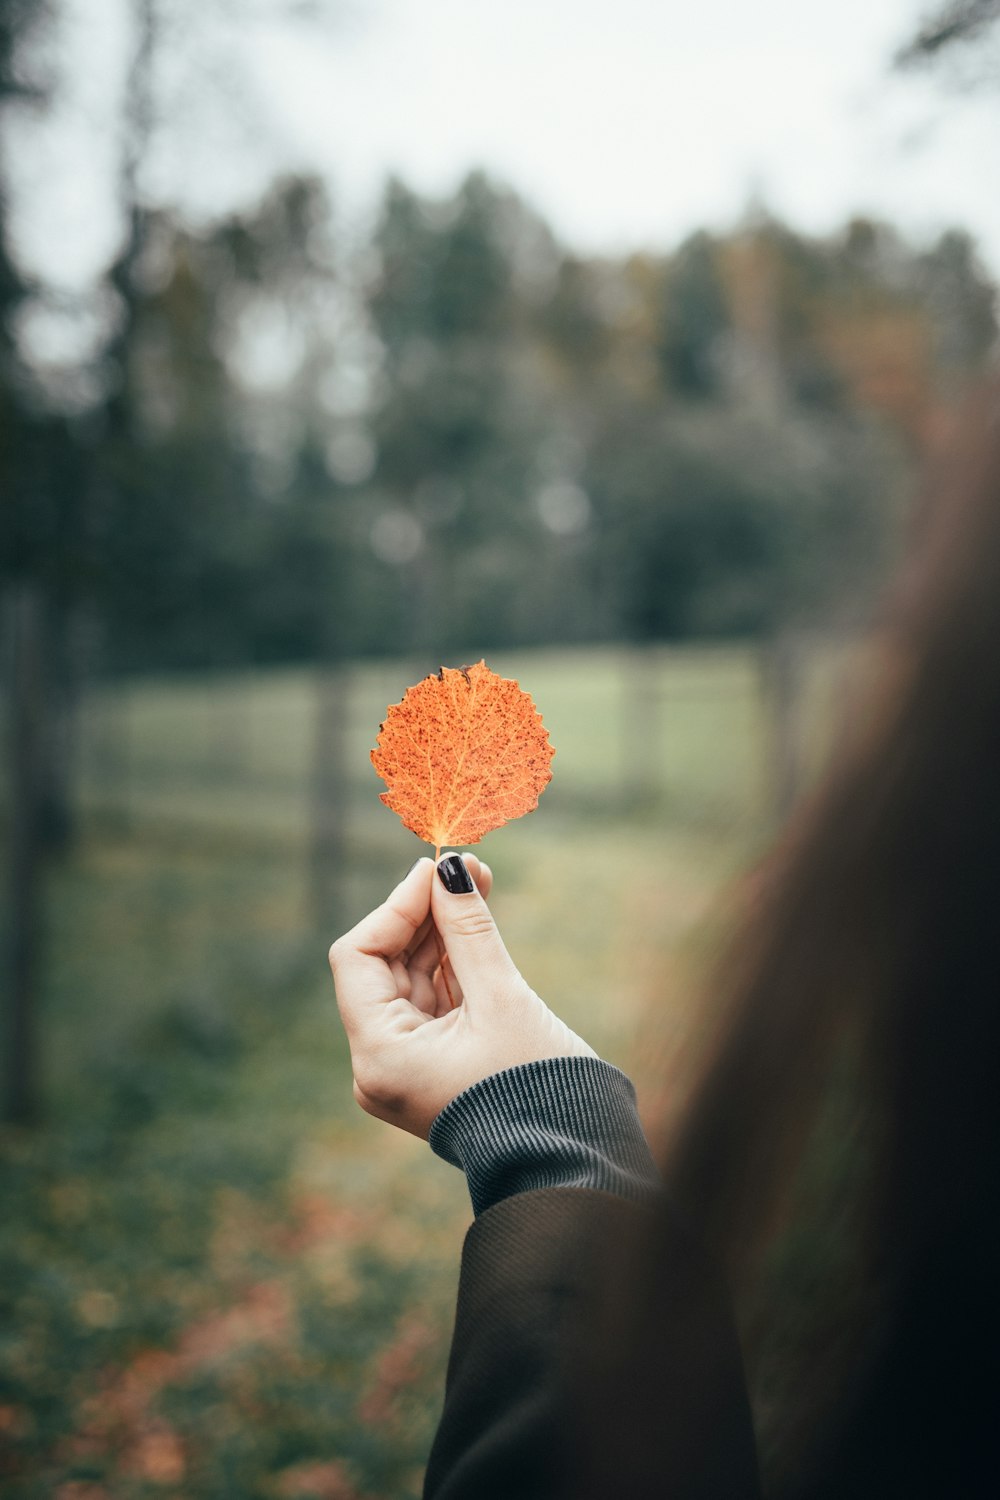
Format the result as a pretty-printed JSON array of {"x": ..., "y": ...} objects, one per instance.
[
  {"x": 630, "y": 122},
  {"x": 626, "y": 123}
]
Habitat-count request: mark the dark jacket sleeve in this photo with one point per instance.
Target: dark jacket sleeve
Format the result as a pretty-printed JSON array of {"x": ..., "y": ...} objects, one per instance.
[
  {"x": 575, "y": 1374},
  {"x": 594, "y": 1351},
  {"x": 557, "y": 1122}
]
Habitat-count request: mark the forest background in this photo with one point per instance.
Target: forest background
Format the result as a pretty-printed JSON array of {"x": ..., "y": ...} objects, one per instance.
[{"x": 263, "y": 474}]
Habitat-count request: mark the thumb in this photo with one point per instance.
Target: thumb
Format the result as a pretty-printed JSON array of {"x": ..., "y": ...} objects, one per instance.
[{"x": 474, "y": 946}]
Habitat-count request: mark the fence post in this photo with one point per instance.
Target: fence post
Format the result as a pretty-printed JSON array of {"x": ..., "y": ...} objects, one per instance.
[
  {"x": 328, "y": 797},
  {"x": 781, "y": 683},
  {"x": 642, "y": 752}
]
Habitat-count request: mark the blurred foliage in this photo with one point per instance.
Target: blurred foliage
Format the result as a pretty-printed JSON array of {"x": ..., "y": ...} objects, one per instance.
[
  {"x": 294, "y": 450},
  {"x": 281, "y": 444}
]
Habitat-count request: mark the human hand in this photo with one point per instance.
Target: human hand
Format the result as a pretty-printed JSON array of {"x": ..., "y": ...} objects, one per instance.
[{"x": 410, "y": 1050}]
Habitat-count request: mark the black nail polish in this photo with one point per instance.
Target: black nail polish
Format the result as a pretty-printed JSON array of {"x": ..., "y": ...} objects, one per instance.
[{"x": 455, "y": 876}]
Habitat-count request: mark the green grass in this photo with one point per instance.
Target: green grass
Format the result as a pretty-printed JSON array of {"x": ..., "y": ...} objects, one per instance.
[{"x": 217, "y": 1277}]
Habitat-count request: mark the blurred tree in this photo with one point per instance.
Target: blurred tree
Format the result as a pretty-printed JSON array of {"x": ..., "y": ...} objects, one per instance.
[
  {"x": 962, "y": 304},
  {"x": 212, "y": 479},
  {"x": 696, "y": 320},
  {"x": 298, "y": 592},
  {"x": 573, "y": 323},
  {"x": 454, "y": 423},
  {"x": 906, "y": 331},
  {"x": 733, "y": 525},
  {"x": 26, "y": 610}
]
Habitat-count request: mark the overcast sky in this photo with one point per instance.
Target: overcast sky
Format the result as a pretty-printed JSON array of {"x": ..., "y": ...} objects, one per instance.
[
  {"x": 626, "y": 123},
  {"x": 631, "y": 121}
]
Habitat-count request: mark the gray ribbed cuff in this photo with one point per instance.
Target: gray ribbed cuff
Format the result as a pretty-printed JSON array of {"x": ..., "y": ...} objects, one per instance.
[{"x": 559, "y": 1122}]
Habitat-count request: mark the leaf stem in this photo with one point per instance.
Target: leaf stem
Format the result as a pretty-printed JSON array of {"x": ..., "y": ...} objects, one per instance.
[{"x": 442, "y": 955}]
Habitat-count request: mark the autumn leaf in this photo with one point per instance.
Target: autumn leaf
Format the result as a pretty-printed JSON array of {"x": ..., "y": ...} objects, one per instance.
[{"x": 463, "y": 753}]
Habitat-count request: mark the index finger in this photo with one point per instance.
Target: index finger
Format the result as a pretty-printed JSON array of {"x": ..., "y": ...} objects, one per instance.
[{"x": 360, "y": 959}]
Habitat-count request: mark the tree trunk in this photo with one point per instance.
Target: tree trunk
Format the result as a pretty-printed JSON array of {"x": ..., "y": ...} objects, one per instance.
[
  {"x": 70, "y": 642},
  {"x": 26, "y": 739}
]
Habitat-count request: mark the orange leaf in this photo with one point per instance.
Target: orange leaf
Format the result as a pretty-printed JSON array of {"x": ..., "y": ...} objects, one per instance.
[{"x": 463, "y": 753}]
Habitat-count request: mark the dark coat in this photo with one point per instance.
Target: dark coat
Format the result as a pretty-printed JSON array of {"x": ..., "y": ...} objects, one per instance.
[{"x": 563, "y": 1383}]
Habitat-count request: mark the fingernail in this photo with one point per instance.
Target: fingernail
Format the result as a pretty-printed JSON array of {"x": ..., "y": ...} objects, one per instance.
[{"x": 455, "y": 876}]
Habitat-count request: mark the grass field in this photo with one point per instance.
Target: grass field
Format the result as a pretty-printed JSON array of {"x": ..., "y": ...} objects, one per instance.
[{"x": 220, "y": 1279}]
